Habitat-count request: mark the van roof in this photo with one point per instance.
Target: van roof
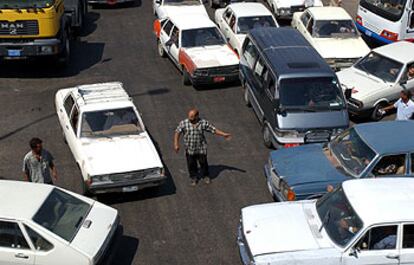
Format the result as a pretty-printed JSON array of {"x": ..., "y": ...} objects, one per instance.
[{"x": 289, "y": 53}]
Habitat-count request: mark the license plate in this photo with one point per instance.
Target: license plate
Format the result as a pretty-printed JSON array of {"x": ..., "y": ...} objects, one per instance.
[
  {"x": 130, "y": 189},
  {"x": 14, "y": 53},
  {"x": 219, "y": 79},
  {"x": 368, "y": 33}
]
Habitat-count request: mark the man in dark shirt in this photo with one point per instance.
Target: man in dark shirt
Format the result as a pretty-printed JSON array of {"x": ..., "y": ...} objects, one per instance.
[{"x": 193, "y": 129}]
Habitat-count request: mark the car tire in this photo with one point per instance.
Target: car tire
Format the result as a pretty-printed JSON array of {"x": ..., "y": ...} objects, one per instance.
[
  {"x": 64, "y": 56},
  {"x": 161, "y": 50},
  {"x": 186, "y": 77},
  {"x": 375, "y": 115},
  {"x": 267, "y": 136}
]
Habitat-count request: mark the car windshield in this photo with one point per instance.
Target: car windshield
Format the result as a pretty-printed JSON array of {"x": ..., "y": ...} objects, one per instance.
[
  {"x": 311, "y": 93},
  {"x": 201, "y": 37},
  {"x": 334, "y": 29},
  {"x": 338, "y": 217},
  {"x": 389, "y": 9},
  {"x": 181, "y": 2},
  {"x": 380, "y": 66},
  {"x": 352, "y": 152},
  {"x": 11, "y": 4},
  {"x": 110, "y": 123},
  {"x": 245, "y": 24},
  {"x": 62, "y": 214}
]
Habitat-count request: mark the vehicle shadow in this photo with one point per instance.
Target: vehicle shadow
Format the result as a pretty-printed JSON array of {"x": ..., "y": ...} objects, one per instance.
[
  {"x": 217, "y": 86},
  {"x": 135, "y": 3},
  {"x": 90, "y": 24},
  {"x": 215, "y": 170},
  {"x": 152, "y": 92},
  {"x": 125, "y": 249},
  {"x": 84, "y": 55}
]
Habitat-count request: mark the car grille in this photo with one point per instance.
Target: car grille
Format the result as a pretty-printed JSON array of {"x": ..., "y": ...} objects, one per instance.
[
  {"x": 15, "y": 40},
  {"x": 220, "y": 70},
  {"x": 19, "y": 27},
  {"x": 319, "y": 136},
  {"x": 294, "y": 9},
  {"x": 130, "y": 176}
]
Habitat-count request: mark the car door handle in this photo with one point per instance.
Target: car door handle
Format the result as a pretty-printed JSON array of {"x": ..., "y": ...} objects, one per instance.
[
  {"x": 67, "y": 127},
  {"x": 60, "y": 110},
  {"x": 393, "y": 256},
  {"x": 21, "y": 256}
]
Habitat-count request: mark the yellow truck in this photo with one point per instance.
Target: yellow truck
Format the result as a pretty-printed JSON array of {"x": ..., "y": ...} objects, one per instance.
[{"x": 39, "y": 28}]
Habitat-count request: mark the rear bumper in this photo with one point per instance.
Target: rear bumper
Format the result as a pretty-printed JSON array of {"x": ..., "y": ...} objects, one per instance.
[
  {"x": 372, "y": 35},
  {"x": 14, "y": 49},
  {"x": 122, "y": 186}
]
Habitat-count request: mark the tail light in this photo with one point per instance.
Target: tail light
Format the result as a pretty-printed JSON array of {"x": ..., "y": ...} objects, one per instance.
[
  {"x": 389, "y": 35},
  {"x": 359, "y": 20},
  {"x": 290, "y": 145}
]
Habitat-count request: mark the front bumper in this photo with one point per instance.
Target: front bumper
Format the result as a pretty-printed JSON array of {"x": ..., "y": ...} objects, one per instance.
[
  {"x": 244, "y": 251},
  {"x": 215, "y": 75},
  {"x": 26, "y": 48},
  {"x": 127, "y": 186}
]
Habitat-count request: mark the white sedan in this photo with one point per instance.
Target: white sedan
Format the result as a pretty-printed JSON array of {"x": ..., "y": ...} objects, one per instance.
[
  {"x": 108, "y": 139},
  {"x": 332, "y": 32},
  {"x": 237, "y": 19},
  {"x": 362, "y": 222},
  {"x": 46, "y": 225},
  {"x": 284, "y": 9},
  {"x": 162, "y": 8}
]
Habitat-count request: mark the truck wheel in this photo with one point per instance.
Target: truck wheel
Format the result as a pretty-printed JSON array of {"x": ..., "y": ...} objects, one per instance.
[
  {"x": 161, "y": 50},
  {"x": 267, "y": 136},
  {"x": 186, "y": 77},
  {"x": 376, "y": 115}
]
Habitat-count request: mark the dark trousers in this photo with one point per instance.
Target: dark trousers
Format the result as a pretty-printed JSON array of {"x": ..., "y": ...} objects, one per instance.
[{"x": 192, "y": 161}]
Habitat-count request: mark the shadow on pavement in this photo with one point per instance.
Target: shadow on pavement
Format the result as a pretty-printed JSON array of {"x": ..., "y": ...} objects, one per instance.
[
  {"x": 152, "y": 92},
  {"x": 123, "y": 249},
  {"x": 135, "y": 3},
  {"x": 90, "y": 24},
  {"x": 215, "y": 170},
  {"x": 21, "y": 128}
]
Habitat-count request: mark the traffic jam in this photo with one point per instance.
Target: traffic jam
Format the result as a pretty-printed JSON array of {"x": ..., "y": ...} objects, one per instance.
[{"x": 305, "y": 69}]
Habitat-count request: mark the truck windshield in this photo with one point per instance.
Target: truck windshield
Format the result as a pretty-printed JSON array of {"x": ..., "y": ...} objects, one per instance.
[
  {"x": 352, "y": 152},
  {"x": 105, "y": 123},
  {"x": 338, "y": 217},
  {"x": 245, "y": 24},
  {"x": 389, "y": 9},
  {"x": 62, "y": 214},
  {"x": 380, "y": 66},
  {"x": 12, "y": 4},
  {"x": 201, "y": 37},
  {"x": 334, "y": 29},
  {"x": 321, "y": 93}
]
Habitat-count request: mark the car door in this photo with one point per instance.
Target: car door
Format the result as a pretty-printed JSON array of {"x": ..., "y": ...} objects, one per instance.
[
  {"x": 407, "y": 246},
  {"x": 268, "y": 103},
  {"x": 225, "y": 20},
  {"x": 72, "y": 129},
  {"x": 165, "y": 32},
  {"x": 174, "y": 44},
  {"x": 308, "y": 31},
  {"x": 302, "y": 23},
  {"x": 64, "y": 113},
  {"x": 14, "y": 249},
  {"x": 379, "y": 245},
  {"x": 258, "y": 81}
]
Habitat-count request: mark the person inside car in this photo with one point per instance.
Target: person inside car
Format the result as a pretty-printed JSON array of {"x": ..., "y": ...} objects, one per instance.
[{"x": 389, "y": 241}]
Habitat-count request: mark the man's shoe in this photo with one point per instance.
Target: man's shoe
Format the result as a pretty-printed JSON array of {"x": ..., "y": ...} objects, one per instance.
[
  {"x": 207, "y": 180},
  {"x": 193, "y": 183}
]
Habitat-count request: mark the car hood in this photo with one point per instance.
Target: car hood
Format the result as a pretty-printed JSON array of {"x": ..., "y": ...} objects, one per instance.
[
  {"x": 120, "y": 154},
  {"x": 362, "y": 84},
  {"x": 341, "y": 48},
  {"x": 305, "y": 164},
  {"x": 313, "y": 120},
  {"x": 212, "y": 56},
  {"x": 91, "y": 237},
  {"x": 166, "y": 11},
  {"x": 277, "y": 227}
]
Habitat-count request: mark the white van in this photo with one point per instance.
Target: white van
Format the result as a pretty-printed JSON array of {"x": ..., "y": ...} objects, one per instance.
[{"x": 387, "y": 20}]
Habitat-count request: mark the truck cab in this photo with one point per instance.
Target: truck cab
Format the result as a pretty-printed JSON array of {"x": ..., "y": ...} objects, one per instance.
[
  {"x": 39, "y": 28},
  {"x": 386, "y": 21}
]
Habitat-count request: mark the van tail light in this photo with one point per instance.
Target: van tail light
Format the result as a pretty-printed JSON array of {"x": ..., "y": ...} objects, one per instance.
[
  {"x": 290, "y": 145},
  {"x": 389, "y": 35},
  {"x": 359, "y": 20}
]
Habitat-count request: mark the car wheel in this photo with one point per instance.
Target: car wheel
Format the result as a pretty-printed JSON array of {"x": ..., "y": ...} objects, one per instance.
[
  {"x": 267, "y": 136},
  {"x": 64, "y": 57},
  {"x": 246, "y": 96},
  {"x": 161, "y": 50},
  {"x": 186, "y": 77},
  {"x": 376, "y": 115}
]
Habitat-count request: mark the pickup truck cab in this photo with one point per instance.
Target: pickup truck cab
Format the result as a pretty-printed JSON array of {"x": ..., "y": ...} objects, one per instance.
[
  {"x": 198, "y": 48},
  {"x": 237, "y": 19},
  {"x": 362, "y": 222},
  {"x": 332, "y": 32},
  {"x": 378, "y": 78},
  {"x": 162, "y": 8},
  {"x": 108, "y": 139}
]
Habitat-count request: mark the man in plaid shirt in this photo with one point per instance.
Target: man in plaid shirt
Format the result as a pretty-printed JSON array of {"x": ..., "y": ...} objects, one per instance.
[{"x": 193, "y": 129}]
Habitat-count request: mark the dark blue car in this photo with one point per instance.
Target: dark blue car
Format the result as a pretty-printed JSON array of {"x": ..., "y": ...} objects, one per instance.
[{"x": 382, "y": 149}]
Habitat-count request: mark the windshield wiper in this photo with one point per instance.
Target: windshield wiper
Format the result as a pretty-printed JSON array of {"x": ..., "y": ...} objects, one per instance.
[
  {"x": 325, "y": 219},
  {"x": 306, "y": 109}
]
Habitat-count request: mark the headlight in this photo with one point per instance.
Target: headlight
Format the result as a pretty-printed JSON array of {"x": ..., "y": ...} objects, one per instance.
[
  {"x": 101, "y": 178},
  {"x": 287, "y": 192},
  {"x": 337, "y": 131},
  {"x": 284, "y": 11},
  {"x": 330, "y": 61},
  {"x": 46, "y": 49}
]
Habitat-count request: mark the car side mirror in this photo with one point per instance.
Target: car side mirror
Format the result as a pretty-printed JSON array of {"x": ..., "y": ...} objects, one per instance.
[
  {"x": 169, "y": 43},
  {"x": 348, "y": 93},
  {"x": 403, "y": 82},
  {"x": 158, "y": 2},
  {"x": 354, "y": 252}
]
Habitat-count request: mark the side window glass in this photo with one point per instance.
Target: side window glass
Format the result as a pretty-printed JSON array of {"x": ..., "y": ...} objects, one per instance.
[
  {"x": 412, "y": 19},
  {"x": 390, "y": 165},
  {"x": 259, "y": 69},
  {"x": 309, "y": 28},
  {"x": 11, "y": 236},
  {"x": 227, "y": 15},
  {"x": 38, "y": 241},
  {"x": 408, "y": 236},
  {"x": 163, "y": 22},
  {"x": 175, "y": 36},
  {"x": 305, "y": 18},
  {"x": 409, "y": 73},
  {"x": 250, "y": 53},
  {"x": 271, "y": 85},
  {"x": 74, "y": 119},
  {"x": 232, "y": 22},
  {"x": 69, "y": 104},
  {"x": 167, "y": 28},
  {"x": 412, "y": 163},
  {"x": 379, "y": 238}
]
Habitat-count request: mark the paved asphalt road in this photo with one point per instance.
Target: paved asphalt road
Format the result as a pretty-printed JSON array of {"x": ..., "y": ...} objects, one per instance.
[{"x": 177, "y": 224}]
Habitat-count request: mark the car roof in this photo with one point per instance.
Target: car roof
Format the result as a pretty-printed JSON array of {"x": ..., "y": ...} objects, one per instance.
[
  {"x": 192, "y": 21},
  {"x": 289, "y": 53},
  {"x": 388, "y": 136},
  {"x": 249, "y": 9},
  {"x": 329, "y": 13},
  {"x": 380, "y": 200},
  {"x": 21, "y": 200},
  {"x": 401, "y": 51}
]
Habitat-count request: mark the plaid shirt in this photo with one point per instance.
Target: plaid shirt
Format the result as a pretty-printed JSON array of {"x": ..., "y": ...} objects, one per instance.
[{"x": 194, "y": 139}]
